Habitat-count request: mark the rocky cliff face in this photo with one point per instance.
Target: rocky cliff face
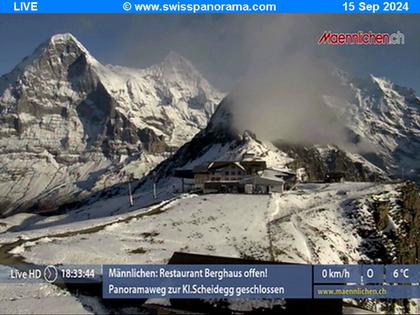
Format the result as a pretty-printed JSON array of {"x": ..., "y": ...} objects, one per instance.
[
  {"x": 404, "y": 213},
  {"x": 318, "y": 161},
  {"x": 385, "y": 116},
  {"x": 70, "y": 125}
]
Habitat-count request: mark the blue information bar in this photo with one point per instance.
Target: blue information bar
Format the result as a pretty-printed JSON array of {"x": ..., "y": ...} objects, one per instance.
[
  {"x": 209, "y": 6},
  {"x": 207, "y": 281},
  {"x": 231, "y": 281}
]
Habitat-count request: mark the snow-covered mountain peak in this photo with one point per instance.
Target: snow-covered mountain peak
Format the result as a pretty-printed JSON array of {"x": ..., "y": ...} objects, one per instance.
[
  {"x": 59, "y": 47},
  {"x": 67, "y": 43},
  {"x": 387, "y": 116},
  {"x": 66, "y": 39},
  {"x": 178, "y": 70},
  {"x": 51, "y": 60},
  {"x": 382, "y": 82},
  {"x": 175, "y": 62}
]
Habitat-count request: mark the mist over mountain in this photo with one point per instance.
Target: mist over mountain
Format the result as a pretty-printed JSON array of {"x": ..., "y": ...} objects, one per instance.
[
  {"x": 286, "y": 103},
  {"x": 305, "y": 103}
]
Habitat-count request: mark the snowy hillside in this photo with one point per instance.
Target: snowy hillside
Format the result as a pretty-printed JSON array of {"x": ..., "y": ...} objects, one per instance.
[
  {"x": 225, "y": 225},
  {"x": 70, "y": 125},
  {"x": 317, "y": 223}
]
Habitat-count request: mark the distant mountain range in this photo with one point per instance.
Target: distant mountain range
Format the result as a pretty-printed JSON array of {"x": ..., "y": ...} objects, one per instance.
[{"x": 70, "y": 125}]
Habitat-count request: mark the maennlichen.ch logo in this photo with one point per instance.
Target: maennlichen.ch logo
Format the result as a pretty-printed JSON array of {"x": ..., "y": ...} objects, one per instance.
[{"x": 361, "y": 38}]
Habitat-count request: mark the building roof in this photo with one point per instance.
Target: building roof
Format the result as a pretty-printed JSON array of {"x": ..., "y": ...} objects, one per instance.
[
  {"x": 285, "y": 174},
  {"x": 266, "y": 177},
  {"x": 271, "y": 174},
  {"x": 254, "y": 162},
  {"x": 202, "y": 168},
  {"x": 223, "y": 164}
]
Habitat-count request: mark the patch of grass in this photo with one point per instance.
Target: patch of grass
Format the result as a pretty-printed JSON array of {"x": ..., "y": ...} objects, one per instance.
[{"x": 150, "y": 234}]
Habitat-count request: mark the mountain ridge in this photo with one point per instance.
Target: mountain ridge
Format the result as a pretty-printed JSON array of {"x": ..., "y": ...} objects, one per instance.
[{"x": 67, "y": 118}]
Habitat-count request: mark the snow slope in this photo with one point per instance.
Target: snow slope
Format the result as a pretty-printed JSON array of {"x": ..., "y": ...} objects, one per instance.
[
  {"x": 37, "y": 299},
  {"x": 310, "y": 225}
]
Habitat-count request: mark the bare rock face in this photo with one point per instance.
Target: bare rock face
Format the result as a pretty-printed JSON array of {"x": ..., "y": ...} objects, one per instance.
[{"x": 66, "y": 119}]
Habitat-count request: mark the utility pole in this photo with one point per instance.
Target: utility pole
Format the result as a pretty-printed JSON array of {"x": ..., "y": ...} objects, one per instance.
[
  {"x": 183, "y": 185},
  {"x": 130, "y": 195},
  {"x": 154, "y": 186}
]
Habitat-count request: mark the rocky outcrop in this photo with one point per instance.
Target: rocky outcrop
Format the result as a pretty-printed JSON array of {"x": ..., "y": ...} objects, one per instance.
[
  {"x": 318, "y": 161},
  {"x": 408, "y": 239},
  {"x": 388, "y": 227}
]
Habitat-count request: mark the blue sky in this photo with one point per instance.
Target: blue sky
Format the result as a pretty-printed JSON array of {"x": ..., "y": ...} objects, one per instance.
[{"x": 223, "y": 48}]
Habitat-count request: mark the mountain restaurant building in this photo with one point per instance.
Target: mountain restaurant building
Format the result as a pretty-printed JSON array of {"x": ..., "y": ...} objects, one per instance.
[{"x": 250, "y": 176}]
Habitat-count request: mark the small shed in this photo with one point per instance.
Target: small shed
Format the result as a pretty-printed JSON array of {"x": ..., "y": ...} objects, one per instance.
[{"x": 264, "y": 182}]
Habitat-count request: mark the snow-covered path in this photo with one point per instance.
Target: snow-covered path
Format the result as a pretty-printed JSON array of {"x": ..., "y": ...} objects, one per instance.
[
  {"x": 281, "y": 214},
  {"x": 301, "y": 238}
]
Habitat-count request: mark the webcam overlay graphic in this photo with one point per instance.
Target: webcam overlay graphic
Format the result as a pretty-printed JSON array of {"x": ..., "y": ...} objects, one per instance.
[{"x": 209, "y": 157}]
